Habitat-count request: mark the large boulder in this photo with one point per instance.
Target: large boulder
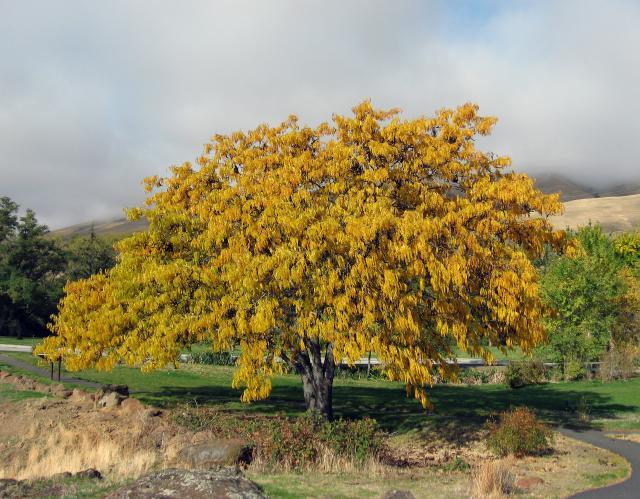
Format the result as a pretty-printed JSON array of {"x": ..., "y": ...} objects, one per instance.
[
  {"x": 108, "y": 396},
  {"x": 216, "y": 453},
  {"x": 190, "y": 484}
]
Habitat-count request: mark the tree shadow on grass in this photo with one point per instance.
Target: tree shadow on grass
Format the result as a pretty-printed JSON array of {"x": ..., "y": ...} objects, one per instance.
[{"x": 457, "y": 410}]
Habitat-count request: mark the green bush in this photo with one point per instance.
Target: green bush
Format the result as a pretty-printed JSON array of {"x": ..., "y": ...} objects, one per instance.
[
  {"x": 458, "y": 464},
  {"x": 290, "y": 442},
  {"x": 573, "y": 369},
  {"x": 213, "y": 358},
  {"x": 354, "y": 439},
  {"x": 525, "y": 372},
  {"x": 520, "y": 433}
]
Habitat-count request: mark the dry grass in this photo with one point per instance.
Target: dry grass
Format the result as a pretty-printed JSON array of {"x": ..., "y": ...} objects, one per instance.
[
  {"x": 328, "y": 462},
  {"x": 493, "y": 479},
  {"x": 615, "y": 214},
  {"x": 66, "y": 450}
]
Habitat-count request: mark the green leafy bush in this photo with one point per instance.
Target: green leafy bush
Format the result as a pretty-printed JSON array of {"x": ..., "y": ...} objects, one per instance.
[
  {"x": 458, "y": 464},
  {"x": 520, "y": 433},
  {"x": 213, "y": 358},
  {"x": 573, "y": 369},
  {"x": 358, "y": 439},
  {"x": 525, "y": 372},
  {"x": 293, "y": 443}
]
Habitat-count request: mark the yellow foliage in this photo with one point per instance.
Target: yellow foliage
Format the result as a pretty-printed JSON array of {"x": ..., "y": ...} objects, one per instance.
[{"x": 372, "y": 233}]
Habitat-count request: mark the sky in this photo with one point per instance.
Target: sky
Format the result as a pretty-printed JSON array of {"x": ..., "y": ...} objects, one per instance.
[{"x": 95, "y": 96}]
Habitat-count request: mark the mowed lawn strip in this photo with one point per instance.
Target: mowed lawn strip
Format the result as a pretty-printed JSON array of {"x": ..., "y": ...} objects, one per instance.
[{"x": 12, "y": 340}]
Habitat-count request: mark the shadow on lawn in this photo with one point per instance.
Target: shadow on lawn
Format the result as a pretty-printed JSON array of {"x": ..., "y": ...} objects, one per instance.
[{"x": 455, "y": 407}]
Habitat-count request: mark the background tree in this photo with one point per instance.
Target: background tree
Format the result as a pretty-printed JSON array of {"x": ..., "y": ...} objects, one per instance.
[
  {"x": 309, "y": 246},
  {"x": 31, "y": 272},
  {"x": 89, "y": 255},
  {"x": 590, "y": 294}
]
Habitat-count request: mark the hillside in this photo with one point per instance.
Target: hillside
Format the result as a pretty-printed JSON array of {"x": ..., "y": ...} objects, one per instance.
[
  {"x": 113, "y": 227},
  {"x": 616, "y": 208},
  {"x": 615, "y": 214},
  {"x": 568, "y": 189}
]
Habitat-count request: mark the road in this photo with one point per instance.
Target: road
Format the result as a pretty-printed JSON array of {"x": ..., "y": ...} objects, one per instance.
[
  {"x": 45, "y": 373},
  {"x": 630, "y": 488}
]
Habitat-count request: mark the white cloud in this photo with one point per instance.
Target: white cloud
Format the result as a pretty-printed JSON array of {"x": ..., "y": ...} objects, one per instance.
[{"x": 95, "y": 96}]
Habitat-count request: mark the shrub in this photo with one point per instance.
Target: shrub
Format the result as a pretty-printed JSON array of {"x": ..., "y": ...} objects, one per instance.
[
  {"x": 472, "y": 376},
  {"x": 573, "y": 369},
  {"x": 618, "y": 363},
  {"x": 291, "y": 443},
  {"x": 213, "y": 358},
  {"x": 493, "y": 479},
  {"x": 358, "y": 440},
  {"x": 458, "y": 464},
  {"x": 520, "y": 433},
  {"x": 525, "y": 372}
]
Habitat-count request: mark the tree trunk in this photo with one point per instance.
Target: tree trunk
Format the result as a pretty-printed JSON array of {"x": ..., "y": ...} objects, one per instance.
[{"x": 317, "y": 378}]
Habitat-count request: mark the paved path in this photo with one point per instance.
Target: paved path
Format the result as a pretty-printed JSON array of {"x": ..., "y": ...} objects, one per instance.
[
  {"x": 45, "y": 373},
  {"x": 15, "y": 348},
  {"x": 630, "y": 488}
]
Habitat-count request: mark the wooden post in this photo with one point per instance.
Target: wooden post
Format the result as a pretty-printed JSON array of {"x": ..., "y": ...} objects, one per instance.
[
  {"x": 59, "y": 366},
  {"x": 52, "y": 371}
]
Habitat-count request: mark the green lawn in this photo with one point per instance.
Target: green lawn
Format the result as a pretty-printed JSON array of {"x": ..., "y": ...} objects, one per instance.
[
  {"x": 615, "y": 404},
  {"x": 10, "y": 394},
  {"x": 12, "y": 340}
]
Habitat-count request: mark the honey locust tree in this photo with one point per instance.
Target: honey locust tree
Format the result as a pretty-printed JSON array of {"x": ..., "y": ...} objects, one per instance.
[{"x": 306, "y": 247}]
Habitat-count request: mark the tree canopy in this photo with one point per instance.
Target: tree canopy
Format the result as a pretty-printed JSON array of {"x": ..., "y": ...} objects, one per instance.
[
  {"x": 310, "y": 246},
  {"x": 595, "y": 296}
]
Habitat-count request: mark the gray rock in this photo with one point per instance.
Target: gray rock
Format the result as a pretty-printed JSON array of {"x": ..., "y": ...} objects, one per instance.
[
  {"x": 111, "y": 399},
  {"x": 398, "y": 494},
  {"x": 185, "y": 484},
  {"x": 216, "y": 453}
]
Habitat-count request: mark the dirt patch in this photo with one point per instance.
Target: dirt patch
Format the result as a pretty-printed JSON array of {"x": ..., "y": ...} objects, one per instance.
[{"x": 70, "y": 433}]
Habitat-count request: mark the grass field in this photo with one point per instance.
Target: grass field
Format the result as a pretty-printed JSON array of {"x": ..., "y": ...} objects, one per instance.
[
  {"x": 10, "y": 394},
  {"x": 11, "y": 340},
  {"x": 614, "y": 405}
]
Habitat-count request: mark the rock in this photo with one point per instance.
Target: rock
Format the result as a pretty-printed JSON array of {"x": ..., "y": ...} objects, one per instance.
[
  {"x": 398, "y": 494},
  {"x": 59, "y": 390},
  {"x": 132, "y": 406},
  {"x": 529, "y": 482},
  {"x": 61, "y": 476},
  {"x": 110, "y": 400},
  {"x": 108, "y": 396},
  {"x": 120, "y": 389},
  {"x": 185, "y": 484},
  {"x": 9, "y": 488},
  {"x": 216, "y": 453},
  {"x": 89, "y": 473}
]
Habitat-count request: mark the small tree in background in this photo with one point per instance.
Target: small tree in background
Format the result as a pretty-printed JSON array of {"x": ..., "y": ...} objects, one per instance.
[
  {"x": 31, "y": 272},
  {"x": 89, "y": 255},
  {"x": 309, "y": 246},
  {"x": 595, "y": 296}
]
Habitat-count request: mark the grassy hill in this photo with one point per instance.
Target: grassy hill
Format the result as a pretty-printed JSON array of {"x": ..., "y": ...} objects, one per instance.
[
  {"x": 615, "y": 214},
  {"x": 616, "y": 208},
  {"x": 568, "y": 189},
  {"x": 114, "y": 227}
]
